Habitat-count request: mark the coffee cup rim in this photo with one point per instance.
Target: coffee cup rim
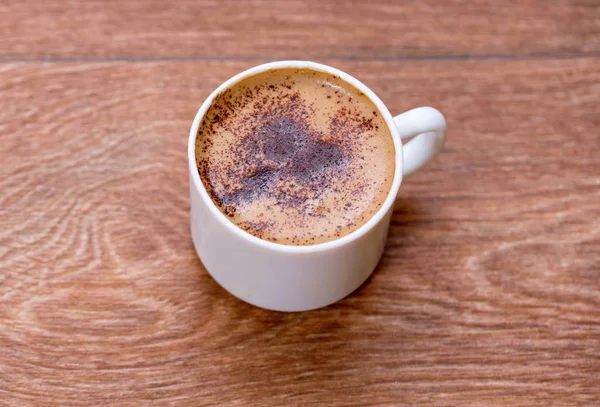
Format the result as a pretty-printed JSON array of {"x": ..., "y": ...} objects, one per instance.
[{"x": 329, "y": 245}]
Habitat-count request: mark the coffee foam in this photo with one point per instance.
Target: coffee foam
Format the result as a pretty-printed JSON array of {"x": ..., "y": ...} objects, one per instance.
[{"x": 295, "y": 156}]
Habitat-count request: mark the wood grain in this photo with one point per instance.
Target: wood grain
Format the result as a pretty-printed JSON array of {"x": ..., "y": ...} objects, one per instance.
[
  {"x": 259, "y": 29},
  {"x": 488, "y": 292}
]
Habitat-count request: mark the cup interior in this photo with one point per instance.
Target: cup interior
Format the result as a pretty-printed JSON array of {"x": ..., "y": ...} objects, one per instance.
[{"x": 382, "y": 109}]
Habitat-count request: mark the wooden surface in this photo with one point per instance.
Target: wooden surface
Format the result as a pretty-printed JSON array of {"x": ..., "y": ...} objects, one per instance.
[
  {"x": 216, "y": 29},
  {"x": 488, "y": 293}
]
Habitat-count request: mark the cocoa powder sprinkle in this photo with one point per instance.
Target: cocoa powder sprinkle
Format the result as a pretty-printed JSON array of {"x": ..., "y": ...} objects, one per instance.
[{"x": 276, "y": 154}]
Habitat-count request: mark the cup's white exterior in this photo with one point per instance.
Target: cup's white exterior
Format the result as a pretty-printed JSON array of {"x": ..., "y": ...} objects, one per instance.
[
  {"x": 283, "y": 280},
  {"x": 298, "y": 278}
]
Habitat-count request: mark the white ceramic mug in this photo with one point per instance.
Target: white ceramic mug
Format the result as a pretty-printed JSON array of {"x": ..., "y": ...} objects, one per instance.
[{"x": 298, "y": 278}]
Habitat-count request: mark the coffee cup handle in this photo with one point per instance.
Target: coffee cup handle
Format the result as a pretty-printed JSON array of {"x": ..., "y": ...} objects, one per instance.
[{"x": 428, "y": 127}]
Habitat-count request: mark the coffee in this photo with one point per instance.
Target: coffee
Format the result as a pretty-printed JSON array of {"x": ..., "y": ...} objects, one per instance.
[{"x": 295, "y": 156}]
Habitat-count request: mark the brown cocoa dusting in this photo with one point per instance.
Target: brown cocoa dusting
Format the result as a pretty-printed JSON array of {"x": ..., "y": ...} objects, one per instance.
[
  {"x": 279, "y": 155},
  {"x": 280, "y": 148}
]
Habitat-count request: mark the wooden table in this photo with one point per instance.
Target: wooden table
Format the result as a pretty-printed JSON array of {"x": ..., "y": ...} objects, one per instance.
[{"x": 488, "y": 293}]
